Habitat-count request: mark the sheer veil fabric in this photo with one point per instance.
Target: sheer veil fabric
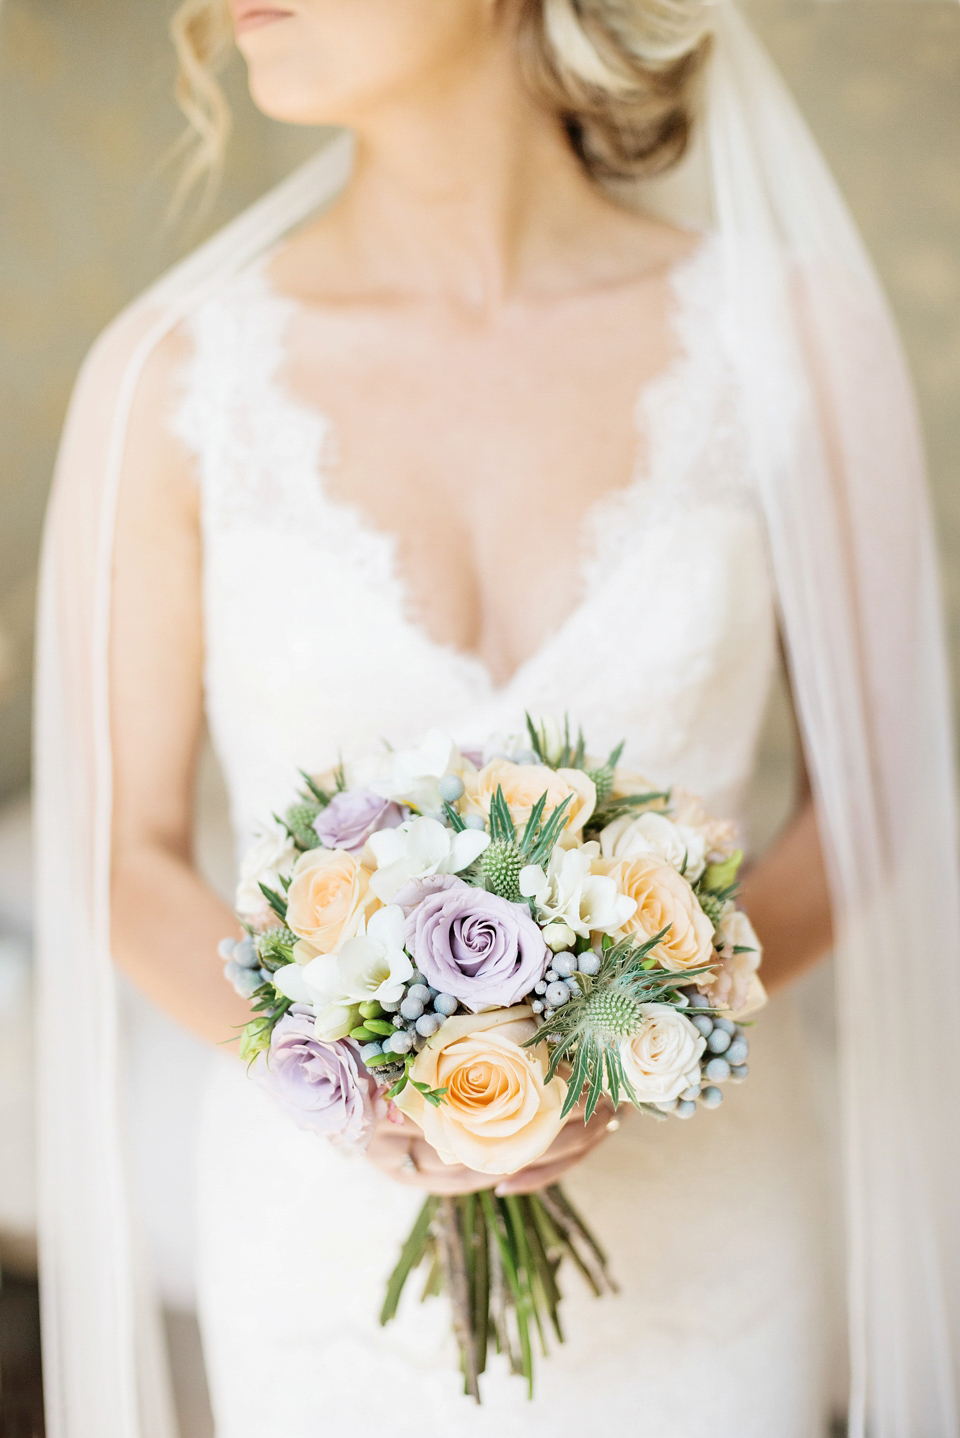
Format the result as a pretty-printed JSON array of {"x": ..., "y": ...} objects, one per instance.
[{"x": 837, "y": 459}]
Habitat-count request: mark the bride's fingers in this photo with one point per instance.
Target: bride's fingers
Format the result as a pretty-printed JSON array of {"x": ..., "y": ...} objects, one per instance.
[{"x": 574, "y": 1142}]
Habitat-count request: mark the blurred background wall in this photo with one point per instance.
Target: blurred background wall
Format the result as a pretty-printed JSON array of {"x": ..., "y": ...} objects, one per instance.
[{"x": 86, "y": 119}]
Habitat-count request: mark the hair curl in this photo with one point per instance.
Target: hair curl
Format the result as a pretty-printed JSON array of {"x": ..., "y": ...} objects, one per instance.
[{"x": 621, "y": 74}]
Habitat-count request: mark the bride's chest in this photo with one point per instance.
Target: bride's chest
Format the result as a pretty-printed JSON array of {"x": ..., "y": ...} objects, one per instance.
[{"x": 653, "y": 609}]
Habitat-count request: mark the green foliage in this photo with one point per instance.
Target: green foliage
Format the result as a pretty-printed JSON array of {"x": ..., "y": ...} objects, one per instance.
[
  {"x": 617, "y": 807},
  {"x": 711, "y": 904},
  {"x": 434, "y": 1096},
  {"x": 275, "y": 948},
  {"x": 269, "y": 1007},
  {"x": 499, "y": 1259},
  {"x": 298, "y": 822},
  {"x": 717, "y": 885},
  {"x": 314, "y": 791},
  {"x": 502, "y": 826},
  {"x": 721, "y": 879},
  {"x": 500, "y": 864},
  {"x": 588, "y": 1030},
  {"x": 602, "y": 782},
  {"x": 572, "y": 755},
  {"x": 508, "y": 852},
  {"x": 276, "y": 901},
  {"x": 453, "y": 818}
]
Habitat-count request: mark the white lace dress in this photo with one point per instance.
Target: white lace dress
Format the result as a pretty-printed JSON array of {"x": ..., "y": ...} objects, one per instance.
[{"x": 713, "y": 1225}]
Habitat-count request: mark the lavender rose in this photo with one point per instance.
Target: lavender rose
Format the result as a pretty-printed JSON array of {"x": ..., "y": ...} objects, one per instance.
[
  {"x": 352, "y": 816},
  {"x": 323, "y": 1087},
  {"x": 480, "y": 948}
]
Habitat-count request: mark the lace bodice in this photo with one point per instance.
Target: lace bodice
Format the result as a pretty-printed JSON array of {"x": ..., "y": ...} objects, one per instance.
[{"x": 312, "y": 648}]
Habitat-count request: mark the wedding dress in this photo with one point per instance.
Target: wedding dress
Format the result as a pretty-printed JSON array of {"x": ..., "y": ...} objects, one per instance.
[
  {"x": 785, "y": 469},
  {"x": 713, "y": 1226}
]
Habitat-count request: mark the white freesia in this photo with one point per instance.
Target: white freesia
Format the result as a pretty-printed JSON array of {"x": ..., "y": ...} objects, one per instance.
[
  {"x": 269, "y": 861},
  {"x": 290, "y": 981},
  {"x": 374, "y": 965},
  {"x": 663, "y": 1059},
  {"x": 371, "y": 965},
  {"x": 684, "y": 848},
  {"x": 569, "y": 893},
  {"x": 411, "y": 776},
  {"x": 418, "y": 848},
  {"x": 332, "y": 1020}
]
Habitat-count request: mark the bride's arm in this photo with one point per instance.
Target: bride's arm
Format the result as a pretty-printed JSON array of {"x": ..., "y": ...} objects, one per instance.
[
  {"x": 787, "y": 898},
  {"x": 166, "y": 922}
]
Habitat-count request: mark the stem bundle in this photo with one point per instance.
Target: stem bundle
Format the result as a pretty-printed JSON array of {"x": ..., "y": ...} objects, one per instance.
[{"x": 497, "y": 1259}]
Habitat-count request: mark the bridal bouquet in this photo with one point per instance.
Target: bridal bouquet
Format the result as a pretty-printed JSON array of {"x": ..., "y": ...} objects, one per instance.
[{"x": 485, "y": 940}]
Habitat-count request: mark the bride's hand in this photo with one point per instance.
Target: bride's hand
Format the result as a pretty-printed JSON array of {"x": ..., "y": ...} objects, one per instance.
[{"x": 400, "y": 1150}]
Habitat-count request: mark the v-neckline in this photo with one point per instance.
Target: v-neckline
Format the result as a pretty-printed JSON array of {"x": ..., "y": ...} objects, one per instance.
[{"x": 645, "y": 414}]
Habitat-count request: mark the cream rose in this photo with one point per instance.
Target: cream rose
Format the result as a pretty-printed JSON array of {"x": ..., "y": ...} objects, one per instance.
[
  {"x": 522, "y": 786},
  {"x": 499, "y": 1113},
  {"x": 663, "y": 898},
  {"x": 658, "y": 837},
  {"x": 328, "y": 899},
  {"x": 663, "y": 1059}
]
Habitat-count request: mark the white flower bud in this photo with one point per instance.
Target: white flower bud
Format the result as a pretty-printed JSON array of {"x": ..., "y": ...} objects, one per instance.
[{"x": 558, "y": 936}]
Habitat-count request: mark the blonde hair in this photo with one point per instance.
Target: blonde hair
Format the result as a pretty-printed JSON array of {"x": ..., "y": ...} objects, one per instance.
[{"x": 620, "y": 73}]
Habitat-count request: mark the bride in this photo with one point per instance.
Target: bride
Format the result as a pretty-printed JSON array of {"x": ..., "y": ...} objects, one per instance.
[{"x": 451, "y": 428}]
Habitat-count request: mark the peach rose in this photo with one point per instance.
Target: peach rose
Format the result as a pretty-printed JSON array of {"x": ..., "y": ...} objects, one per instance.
[
  {"x": 522, "y": 786},
  {"x": 664, "y": 897},
  {"x": 327, "y": 899},
  {"x": 499, "y": 1113},
  {"x": 735, "y": 984}
]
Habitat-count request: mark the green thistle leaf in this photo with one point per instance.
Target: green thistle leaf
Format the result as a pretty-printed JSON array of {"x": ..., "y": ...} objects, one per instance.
[
  {"x": 453, "y": 818},
  {"x": 582, "y": 1068},
  {"x": 532, "y": 826},
  {"x": 614, "y": 1071},
  {"x": 538, "y": 851},
  {"x": 276, "y": 902},
  {"x": 321, "y": 795},
  {"x": 501, "y": 820},
  {"x": 595, "y": 1089},
  {"x": 536, "y": 742}
]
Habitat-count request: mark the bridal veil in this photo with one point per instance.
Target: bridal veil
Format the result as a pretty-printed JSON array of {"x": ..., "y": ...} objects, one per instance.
[{"x": 837, "y": 459}]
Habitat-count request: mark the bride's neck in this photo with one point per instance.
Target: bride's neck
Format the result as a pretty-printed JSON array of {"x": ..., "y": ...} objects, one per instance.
[{"x": 470, "y": 192}]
